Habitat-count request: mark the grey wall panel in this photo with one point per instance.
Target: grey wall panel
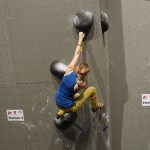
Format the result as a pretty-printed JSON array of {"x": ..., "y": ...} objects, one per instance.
[
  {"x": 11, "y": 135},
  {"x": 41, "y": 29},
  {"x": 118, "y": 85},
  {"x": 34, "y": 33},
  {"x": 39, "y": 110},
  {"x": 6, "y": 73},
  {"x": 129, "y": 73}
]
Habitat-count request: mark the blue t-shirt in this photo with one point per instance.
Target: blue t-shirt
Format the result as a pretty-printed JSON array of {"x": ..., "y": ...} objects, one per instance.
[{"x": 65, "y": 93}]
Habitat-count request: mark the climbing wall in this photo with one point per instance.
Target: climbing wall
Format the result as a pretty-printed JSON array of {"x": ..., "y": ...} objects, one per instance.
[
  {"x": 33, "y": 33},
  {"x": 129, "y": 76}
]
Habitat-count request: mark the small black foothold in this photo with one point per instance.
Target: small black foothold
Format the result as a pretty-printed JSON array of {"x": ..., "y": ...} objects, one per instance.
[{"x": 104, "y": 22}]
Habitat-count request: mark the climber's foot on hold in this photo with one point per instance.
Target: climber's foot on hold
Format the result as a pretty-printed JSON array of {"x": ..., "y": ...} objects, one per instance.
[
  {"x": 99, "y": 107},
  {"x": 65, "y": 121}
]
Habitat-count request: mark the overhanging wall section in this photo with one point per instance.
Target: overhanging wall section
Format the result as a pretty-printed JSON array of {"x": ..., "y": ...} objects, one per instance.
[{"x": 129, "y": 73}]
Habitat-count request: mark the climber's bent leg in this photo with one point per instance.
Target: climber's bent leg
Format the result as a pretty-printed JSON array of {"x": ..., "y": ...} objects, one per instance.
[{"x": 90, "y": 92}]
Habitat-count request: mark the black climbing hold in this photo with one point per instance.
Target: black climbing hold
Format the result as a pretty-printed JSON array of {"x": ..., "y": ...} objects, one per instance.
[
  {"x": 58, "y": 68},
  {"x": 104, "y": 128},
  {"x": 63, "y": 122},
  {"x": 83, "y": 21},
  {"x": 104, "y": 22}
]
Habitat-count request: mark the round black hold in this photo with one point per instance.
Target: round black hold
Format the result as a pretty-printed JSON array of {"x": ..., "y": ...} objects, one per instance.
[
  {"x": 83, "y": 21},
  {"x": 104, "y": 22},
  {"x": 58, "y": 68},
  {"x": 63, "y": 122}
]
